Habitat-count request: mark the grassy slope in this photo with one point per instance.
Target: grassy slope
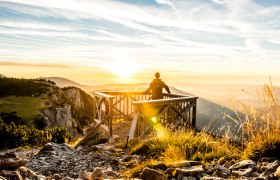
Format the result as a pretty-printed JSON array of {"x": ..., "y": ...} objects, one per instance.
[{"x": 26, "y": 107}]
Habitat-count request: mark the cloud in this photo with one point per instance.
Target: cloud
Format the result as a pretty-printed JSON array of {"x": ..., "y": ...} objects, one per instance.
[
  {"x": 199, "y": 32},
  {"x": 218, "y": 1},
  {"x": 8, "y": 63},
  {"x": 166, "y": 2}
]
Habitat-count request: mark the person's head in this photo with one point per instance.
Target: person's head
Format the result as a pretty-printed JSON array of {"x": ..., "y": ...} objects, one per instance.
[{"x": 157, "y": 75}]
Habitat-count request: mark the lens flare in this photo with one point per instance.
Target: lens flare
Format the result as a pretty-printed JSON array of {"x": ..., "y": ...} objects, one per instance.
[{"x": 154, "y": 120}]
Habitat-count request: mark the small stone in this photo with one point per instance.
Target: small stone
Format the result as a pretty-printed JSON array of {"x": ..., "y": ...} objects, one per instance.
[
  {"x": 11, "y": 174},
  {"x": 148, "y": 174},
  {"x": 223, "y": 169},
  {"x": 85, "y": 175},
  {"x": 243, "y": 164},
  {"x": 97, "y": 172},
  {"x": 26, "y": 173},
  {"x": 110, "y": 173},
  {"x": 80, "y": 148},
  {"x": 114, "y": 139},
  {"x": 41, "y": 177},
  {"x": 56, "y": 177},
  {"x": 269, "y": 159},
  {"x": 184, "y": 164},
  {"x": 67, "y": 178},
  {"x": 188, "y": 178},
  {"x": 189, "y": 171},
  {"x": 277, "y": 173}
]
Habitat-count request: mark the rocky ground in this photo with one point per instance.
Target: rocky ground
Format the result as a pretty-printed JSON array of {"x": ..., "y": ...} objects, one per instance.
[{"x": 106, "y": 161}]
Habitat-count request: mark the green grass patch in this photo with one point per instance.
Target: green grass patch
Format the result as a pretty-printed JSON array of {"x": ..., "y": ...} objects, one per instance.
[
  {"x": 25, "y": 107},
  {"x": 170, "y": 147}
]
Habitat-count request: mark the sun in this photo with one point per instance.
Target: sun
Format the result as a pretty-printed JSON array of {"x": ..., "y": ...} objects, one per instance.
[{"x": 123, "y": 68}]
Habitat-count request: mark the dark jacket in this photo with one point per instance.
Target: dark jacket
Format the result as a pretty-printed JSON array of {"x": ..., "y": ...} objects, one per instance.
[{"x": 156, "y": 88}]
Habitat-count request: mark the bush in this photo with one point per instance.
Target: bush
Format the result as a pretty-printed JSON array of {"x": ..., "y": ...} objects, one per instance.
[
  {"x": 267, "y": 147},
  {"x": 13, "y": 136}
]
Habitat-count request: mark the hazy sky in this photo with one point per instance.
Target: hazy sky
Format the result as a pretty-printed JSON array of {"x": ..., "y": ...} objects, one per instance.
[{"x": 83, "y": 39}]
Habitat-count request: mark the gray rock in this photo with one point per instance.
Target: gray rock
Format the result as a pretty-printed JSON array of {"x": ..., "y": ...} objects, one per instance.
[
  {"x": 27, "y": 173},
  {"x": 242, "y": 172},
  {"x": 10, "y": 161},
  {"x": 97, "y": 172},
  {"x": 10, "y": 174},
  {"x": 243, "y": 164},
  {"x": 85, "y": 175},
  {"x": 222, "y": 169},
  {"x": 184, "y": 164},
  {"x": 188, "y": 178},
  {"x": 148, "y": 174},
  {"x": 189, "y": 171}
]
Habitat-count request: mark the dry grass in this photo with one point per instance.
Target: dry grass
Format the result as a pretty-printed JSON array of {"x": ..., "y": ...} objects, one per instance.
[
  {"x": 171, "y": 147},
  {"x": 260, "y": 126}
]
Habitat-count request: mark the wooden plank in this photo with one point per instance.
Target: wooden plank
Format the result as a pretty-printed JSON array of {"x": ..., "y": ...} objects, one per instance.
[
  {"x": 91, "y": 133},
  {"x": 133, "y": 125}
]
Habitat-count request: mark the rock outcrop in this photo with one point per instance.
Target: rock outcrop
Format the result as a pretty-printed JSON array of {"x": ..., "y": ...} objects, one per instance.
[{"x": 69, "y": 107}]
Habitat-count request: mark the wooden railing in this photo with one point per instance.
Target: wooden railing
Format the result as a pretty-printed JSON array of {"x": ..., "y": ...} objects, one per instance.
[
  {"x": 177, "y": 110},
  {"x": 173, "y": 109}
]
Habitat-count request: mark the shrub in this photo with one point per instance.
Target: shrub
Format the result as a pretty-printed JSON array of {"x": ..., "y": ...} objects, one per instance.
[{"x": 13, "y": 136}]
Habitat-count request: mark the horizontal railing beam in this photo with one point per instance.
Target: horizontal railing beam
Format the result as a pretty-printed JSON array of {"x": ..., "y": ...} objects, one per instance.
[
  {"x": 165, "y": 101},
  {"x": 101, "y": 95}
]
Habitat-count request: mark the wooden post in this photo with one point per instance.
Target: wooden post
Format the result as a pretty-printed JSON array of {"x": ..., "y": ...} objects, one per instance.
[
  {"x": 194, "y": 115},
  {"x": 111, "y": 115}
]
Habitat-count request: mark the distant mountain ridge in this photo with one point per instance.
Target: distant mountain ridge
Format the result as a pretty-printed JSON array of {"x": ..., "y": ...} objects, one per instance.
[
  {"x": 2, "y": 76},
  {"x": 62, "y": 82}
]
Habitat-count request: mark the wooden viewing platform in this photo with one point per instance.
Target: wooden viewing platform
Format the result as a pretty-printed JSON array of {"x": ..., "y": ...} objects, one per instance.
[{"x": 176, "y": 109}]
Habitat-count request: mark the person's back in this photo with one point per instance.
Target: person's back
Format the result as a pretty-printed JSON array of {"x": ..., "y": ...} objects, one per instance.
[{"x": 156, "y": 87}]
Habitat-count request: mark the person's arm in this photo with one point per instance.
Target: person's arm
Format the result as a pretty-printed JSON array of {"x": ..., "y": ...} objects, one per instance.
[
  {"x": 148, "y": 90},
  {"x": 166, "y": 88}
]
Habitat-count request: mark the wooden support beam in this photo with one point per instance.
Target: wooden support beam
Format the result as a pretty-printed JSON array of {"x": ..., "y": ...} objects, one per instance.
[{"x": 134, "y": 125}]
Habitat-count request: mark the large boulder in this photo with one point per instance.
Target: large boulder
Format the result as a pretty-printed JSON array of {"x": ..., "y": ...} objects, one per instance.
[
  {"x": 10, "y": 161},
  {"x": 243, "y": 165},
  {"x": 148, "y": 174},
  {"x": 189, "y": 171}
]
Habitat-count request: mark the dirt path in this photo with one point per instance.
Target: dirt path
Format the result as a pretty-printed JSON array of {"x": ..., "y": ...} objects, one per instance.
[{"x": 121, "y": 128}]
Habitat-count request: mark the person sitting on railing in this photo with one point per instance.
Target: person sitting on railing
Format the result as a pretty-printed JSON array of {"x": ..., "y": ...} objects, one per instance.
[{"x": 156, "y": 87}]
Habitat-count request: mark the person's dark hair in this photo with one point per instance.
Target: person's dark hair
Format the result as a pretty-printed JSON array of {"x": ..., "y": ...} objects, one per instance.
[{"x": 157, "y": 74}]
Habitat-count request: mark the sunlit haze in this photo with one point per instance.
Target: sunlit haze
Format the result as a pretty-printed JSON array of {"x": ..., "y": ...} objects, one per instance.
[{"x": 126, "y": 41}]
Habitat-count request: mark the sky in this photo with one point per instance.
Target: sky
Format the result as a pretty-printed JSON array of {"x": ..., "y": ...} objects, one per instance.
[{"x": 113, "y": 41}]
